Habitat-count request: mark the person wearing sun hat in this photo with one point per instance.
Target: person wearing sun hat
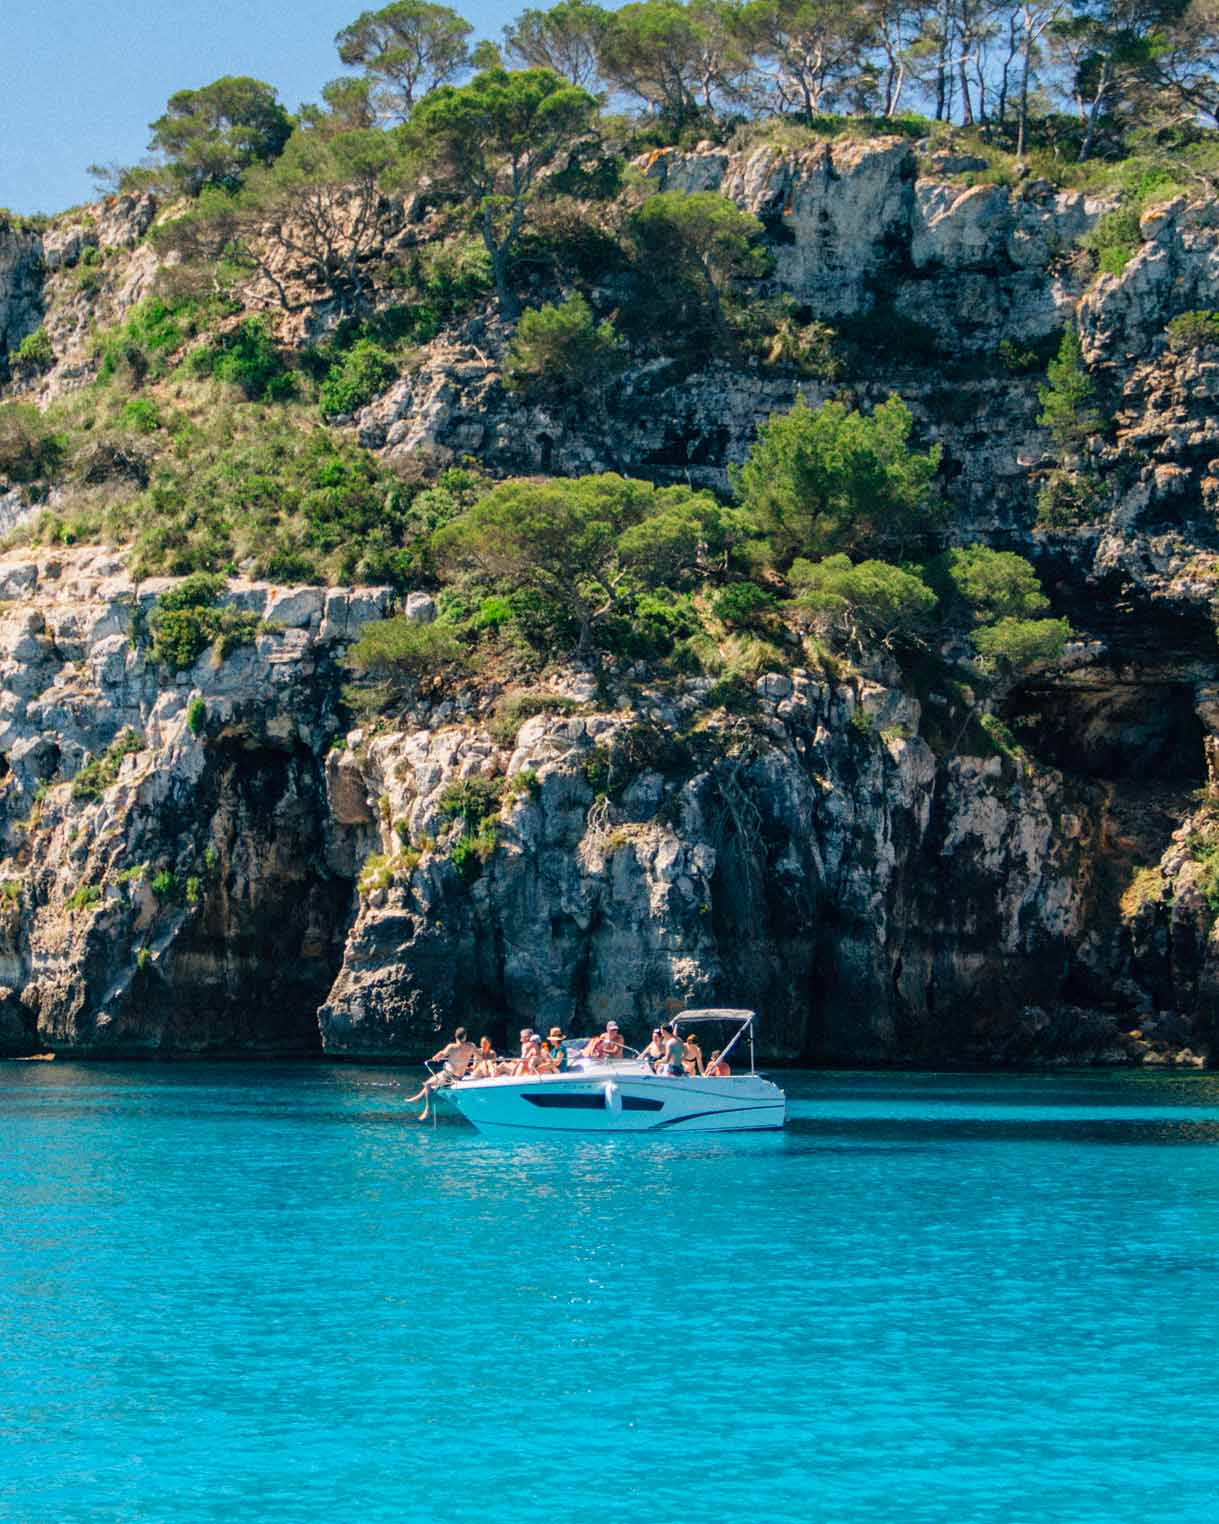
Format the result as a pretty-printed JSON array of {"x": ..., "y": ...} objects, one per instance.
[{"x": 557, "y": 1051}]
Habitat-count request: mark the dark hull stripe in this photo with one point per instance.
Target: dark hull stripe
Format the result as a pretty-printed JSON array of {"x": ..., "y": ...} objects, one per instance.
[
  {"x": 692, "y": 1116},
  {"x": 608, "y": 1132}
]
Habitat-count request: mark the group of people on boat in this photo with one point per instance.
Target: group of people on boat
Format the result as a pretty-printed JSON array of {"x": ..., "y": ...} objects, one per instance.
[{"x": 667, "y": 1053}]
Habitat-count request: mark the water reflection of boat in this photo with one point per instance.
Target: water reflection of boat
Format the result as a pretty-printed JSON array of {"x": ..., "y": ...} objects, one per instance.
[{"x": 595, "y": 1095}]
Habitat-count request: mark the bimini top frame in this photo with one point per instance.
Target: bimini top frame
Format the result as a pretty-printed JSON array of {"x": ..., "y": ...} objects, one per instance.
[{"x": 745, "y": 1019}]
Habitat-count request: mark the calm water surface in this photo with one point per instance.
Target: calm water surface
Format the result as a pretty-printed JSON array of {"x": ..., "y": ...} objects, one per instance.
[{"x": 245, "y": 1293}]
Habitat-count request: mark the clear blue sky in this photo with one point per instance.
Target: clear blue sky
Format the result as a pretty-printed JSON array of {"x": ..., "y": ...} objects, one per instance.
[{"x": 82, "y": 79}]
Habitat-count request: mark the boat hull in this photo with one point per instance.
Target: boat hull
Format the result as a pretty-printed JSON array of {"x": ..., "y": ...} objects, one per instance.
[{"x": 619, "y": 1103}]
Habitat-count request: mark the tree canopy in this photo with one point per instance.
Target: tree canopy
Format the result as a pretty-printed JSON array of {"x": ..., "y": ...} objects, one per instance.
[
  {"x": 834, "y": 480},
  {"x": 489, "y": 141},
  {"x": 578, "y": 544},
  {"x": 561, "y": 351},
  {"x": 1068, "y": 402},
  {"x": 993, "y": 584},
  {"x": 701, "y": 238},
  {"x": 567, "y": 38},
  {"x": 318, "y": 204},
  {"x": 405, "y": 49},
  {"x": 872, "y": 598},
  {"x": 212, "y": 135}
]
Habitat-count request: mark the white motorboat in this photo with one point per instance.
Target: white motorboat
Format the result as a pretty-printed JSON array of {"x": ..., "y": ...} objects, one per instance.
[{"x": 596, "y": 1095}]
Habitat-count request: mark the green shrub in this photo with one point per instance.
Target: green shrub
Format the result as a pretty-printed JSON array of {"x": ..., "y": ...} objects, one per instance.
[
  {"x": 470, "y": 800},
  {"x": 992, "y": 584},
  {"x": 399, "y": 647},
  {"x": 448, "y": 280},
  {"x": 84, "y": 898},
  {"x": 301, "y": 504},
  {"x": 366, "y": 370},
  {"x": 165, "y": 886},
  {"x": 193, "y": 891},
  {"x": 141, "y": 414},
  {"x": 514, "y": 709},
  {"x": 1114, "y": 240},
  {"x": 493, "y": 613},
  {"x": 143, "y": 345},
  {"x": 185, "y": 620},
  {"x": 526, "y": 782},
  {"x": 1068, "y": 402},
  {"x": 97, "y": 776},
  {"x": 473, "y": 849},
  {"x": 1193, "y": 330},
  {"x": 29, "y": 450},
  {"x": 658, "y": 620},
  {"x": 196, "y": 716},
  {"x": 246, "y": 357},
  {"x": 1000, "y": 736},
  {"x": 1204, "y": 849},
  {"x": 1067, "y": 499},
  {"x": 562, "y": 351},
  {"x": 1018, "y": 360},
  {"x": 34, "y": 354},
  {"x": 743, "y": 605},
  {"x": 832, "y": 479}
]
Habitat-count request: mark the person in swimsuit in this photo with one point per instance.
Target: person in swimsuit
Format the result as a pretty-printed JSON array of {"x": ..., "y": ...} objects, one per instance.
[
  {"x": 557, "y": 1051},
  {"x": 456, "y": 1057},
  {"x": 692, "y": 1057},
  {"x": 487, "y": 1063},
  {"x": 530, "y": 1058},
  {"x": 674, "y": 1053},
  {"x": 654, "y": 1051},
  {"x": 608, "y": 1045},
  {"x": 717, "y": 1068}
]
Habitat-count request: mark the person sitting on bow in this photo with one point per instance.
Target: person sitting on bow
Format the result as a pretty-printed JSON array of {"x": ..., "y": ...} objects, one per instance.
[{"x": 455, "y": 1058}]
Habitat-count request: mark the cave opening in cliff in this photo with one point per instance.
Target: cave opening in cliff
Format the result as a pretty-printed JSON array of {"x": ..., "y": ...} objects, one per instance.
[
  {"x": 259, "y": 957},
  {"x": 1138, "y": 732}
]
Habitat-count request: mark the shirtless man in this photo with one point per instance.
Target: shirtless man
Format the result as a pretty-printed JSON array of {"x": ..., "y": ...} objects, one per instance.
[
  {"x": 456, "y": 1056},
  {"x": 608, "y": 1045},
  {"x": 674, "y": 1053}
]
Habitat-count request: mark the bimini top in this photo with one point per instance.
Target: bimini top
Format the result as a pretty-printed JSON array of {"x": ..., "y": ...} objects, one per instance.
[{"x": 714, "y": 1013}]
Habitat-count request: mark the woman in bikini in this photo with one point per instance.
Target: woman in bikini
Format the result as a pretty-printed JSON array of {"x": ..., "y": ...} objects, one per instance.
[{"x": 692, "y": 1058}]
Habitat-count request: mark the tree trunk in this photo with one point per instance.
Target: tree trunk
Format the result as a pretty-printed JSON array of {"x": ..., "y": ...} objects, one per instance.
[
  {"x": 1102, "y": 90},
  {"x": 967, "y": 110},
  {"x": 1024, "y": 92},
  {"x": 498, "y": 252}
]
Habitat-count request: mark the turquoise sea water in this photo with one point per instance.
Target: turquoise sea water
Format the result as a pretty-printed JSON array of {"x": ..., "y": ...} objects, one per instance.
[{"x": 258, "y": 1293}]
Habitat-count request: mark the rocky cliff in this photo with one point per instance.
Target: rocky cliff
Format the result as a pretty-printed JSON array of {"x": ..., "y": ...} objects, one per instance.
[
  {"x": 851, "y": 851},
  {"x": 248, "y": 877}
]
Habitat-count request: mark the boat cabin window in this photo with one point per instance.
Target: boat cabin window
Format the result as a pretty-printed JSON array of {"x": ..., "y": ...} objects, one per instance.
[{"x": 565, "y": 1100}]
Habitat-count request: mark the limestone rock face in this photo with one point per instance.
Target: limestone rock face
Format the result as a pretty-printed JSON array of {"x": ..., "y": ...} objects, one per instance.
[
  {"x": 20, "y": 286},
  {"x": 239, "y": 876}
]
